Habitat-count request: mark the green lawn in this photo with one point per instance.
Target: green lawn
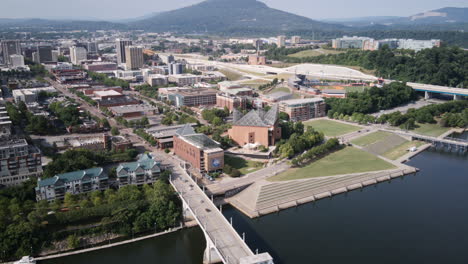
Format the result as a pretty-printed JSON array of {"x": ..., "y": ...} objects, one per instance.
[
  {"x": 370, "y": 138},
  {"x": 331, "y": 128},
  {"x": 433, "y": 130},
  {"x": 347, "y": 160},
  {"x": 402, "y": 149},
  {"x": 356, "y": 89},
  {"x": 313, "y": 53},
  {"x": 243, "y": 165}
]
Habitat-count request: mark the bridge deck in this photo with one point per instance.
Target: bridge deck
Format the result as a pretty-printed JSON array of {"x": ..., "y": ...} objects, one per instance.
[{"x": 227, "y": 241}]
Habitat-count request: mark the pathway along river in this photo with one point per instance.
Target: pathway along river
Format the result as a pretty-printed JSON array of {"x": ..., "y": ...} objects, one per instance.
[{"x": 420, "y": 218}]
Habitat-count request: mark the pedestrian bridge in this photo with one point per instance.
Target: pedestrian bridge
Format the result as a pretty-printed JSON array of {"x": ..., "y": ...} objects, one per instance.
[
  {"x": 458, "y": 145},
  {"x": 224, "y": 245}
]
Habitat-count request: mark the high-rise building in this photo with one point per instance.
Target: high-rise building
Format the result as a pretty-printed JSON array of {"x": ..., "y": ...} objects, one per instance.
[
  {"x": 120, "y": 48},
  {"x": 92, "y": 47},
  {"x": 176, "y": 68},
  {"x": 281, "y": 41},
  {"x": 134, "y": 57},
  {"x": 77, "y": 54},
  {"x": 55, "y": 55},
  {"x": 17, "y": 61},
  {"x": 295, "y": 39},
  {"x": 44, "y": 54},
  {"x": 10, "y": 47}
]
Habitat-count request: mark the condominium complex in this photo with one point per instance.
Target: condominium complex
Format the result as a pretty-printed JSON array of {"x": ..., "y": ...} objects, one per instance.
[
  {"x": 78, "y": 54},
  {"x": 75, "y": 182},
  {"x": 303, "y": 109},
  {"x": 145, "y": 170},
  {"x": 120, "y": 48},
  {"x": 365, "y": 43},
  {"x": 134, "y": 57},
  {"x": 256, "y": 127},
  {"x": 200, "y": 151},
  {"x": 19, "y": 161}
]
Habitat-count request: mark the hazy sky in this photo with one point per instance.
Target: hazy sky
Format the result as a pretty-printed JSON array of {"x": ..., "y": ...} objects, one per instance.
[{"x": 118, "y": 9}]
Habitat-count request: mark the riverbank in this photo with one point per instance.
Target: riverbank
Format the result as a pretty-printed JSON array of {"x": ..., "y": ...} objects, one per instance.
[{"x": 189, "y": 224}]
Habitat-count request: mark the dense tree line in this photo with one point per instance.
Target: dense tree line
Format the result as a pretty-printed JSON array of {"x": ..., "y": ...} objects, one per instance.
[
  {"x": 298, "y": 139},
  {"x": 104, "y": 79},
  {"x": 372, "y": 100},
  {"x": 27, "y": 227},
  {"x": 80, "y": 159},
  {"x": 440, "y": 66},
  {"x": 33, "y": 124},
  {"x": 316, "y": 152},
  {"x": 450, "y": 114}
]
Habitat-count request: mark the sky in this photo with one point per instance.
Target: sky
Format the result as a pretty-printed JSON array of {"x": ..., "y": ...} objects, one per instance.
[{"x": 123, "y": 9}]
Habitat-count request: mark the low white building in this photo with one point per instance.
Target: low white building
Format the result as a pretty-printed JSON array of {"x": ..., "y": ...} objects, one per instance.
[
  {"x": 31, "y": 95},
  {"x": 184, "y": 79},
  {"x": 157, "y": 80}
]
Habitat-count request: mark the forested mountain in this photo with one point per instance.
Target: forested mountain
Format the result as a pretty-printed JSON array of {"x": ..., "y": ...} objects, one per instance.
[{"x": 230, "y": 16}]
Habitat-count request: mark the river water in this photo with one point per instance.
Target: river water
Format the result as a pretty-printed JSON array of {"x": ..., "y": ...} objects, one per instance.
[{"x": 420, "y": 218}]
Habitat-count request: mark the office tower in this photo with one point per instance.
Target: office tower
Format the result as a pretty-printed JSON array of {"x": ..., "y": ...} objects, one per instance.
[
  {"x": 176, "y": 68},
  {"x": 55, "y": 54},
  {"x": 10, "y": 47},
  {"x": 281, "y": 41},
  {"x": 44, "y": 54},
  {"x": 134, "y": 58},
  {"x": 78, "y": 54},
  {"x": 92, "y": 47},
  {"x": 17, "y": 61},
  {"x": 120, "y": 48}
]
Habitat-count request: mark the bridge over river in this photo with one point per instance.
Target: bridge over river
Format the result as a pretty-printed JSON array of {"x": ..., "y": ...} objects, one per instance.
[{"x": 223, "y": 242}]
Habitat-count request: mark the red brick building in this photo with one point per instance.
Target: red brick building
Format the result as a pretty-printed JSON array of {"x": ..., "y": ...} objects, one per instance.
[
  {"x": 256, "y": 127},
  {"x": 230, "y": 101},
  {"x": 200, "y": 151}
]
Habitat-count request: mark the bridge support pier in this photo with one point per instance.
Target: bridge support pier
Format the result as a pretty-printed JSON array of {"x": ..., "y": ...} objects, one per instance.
[
  {"x": 427, "y": 95},
  {"x": 210, "y": 256},
  {"x": 457, "y": 97},
  {"x": 186, "y": 213}
]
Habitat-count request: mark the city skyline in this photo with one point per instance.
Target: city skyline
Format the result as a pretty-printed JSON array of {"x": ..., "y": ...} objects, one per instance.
[{"x": 129, "y": 10}]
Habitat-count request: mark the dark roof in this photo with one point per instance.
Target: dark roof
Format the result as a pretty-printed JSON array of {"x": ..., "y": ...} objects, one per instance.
[
  {"x": 187, "y": 129},
  {"x": 259, "y": 118}
]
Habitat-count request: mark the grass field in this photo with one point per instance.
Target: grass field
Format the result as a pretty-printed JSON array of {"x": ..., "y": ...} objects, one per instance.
[
  {"x": 331, "y": 128},
  {"x": 254, "y": 83},
  {"x": 402, "y": 149},
  {"x": 283, "y": 65},
  {"x": 370, "y": 138},
  {"x": 356, "y": 89},
  {"x": 347, "y": 160},
  {"x": 243, "y": 165},
  {"x": 433, "y": 130},
  {"x": 280, "y": 76},
  {"x": 314, "y": 53},
  {"x": 232, "y": 76}
]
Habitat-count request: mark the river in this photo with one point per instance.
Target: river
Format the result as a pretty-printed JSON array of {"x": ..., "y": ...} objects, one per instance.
[{"x": 420, "y": 218}]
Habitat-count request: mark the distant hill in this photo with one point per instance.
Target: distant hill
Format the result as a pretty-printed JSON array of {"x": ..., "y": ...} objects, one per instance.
[
  {"x": 449, "y": 18},
  {"x": 51, "y": 24},
  {"x": 214, "y": 16}
]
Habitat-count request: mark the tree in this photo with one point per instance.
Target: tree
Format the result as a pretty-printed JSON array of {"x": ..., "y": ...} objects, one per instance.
[
  {"x": 70, "y": 200},
  {"x": 115, "y": 131},
  {"x": 73, "y": 241}
]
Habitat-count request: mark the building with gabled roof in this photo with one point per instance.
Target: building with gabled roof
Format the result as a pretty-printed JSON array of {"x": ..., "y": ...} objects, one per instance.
[
  {"x": 75, "y": 182},
  {"x": 256, "y": 127},
  {"x": 145, "y": 170},
  {"x": 202, "y": 152}
]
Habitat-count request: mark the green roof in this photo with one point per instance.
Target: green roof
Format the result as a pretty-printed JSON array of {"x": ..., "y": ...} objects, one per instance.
[
  {"x": 73, "y": 176},
  {"x": 146, "y": 162}
]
